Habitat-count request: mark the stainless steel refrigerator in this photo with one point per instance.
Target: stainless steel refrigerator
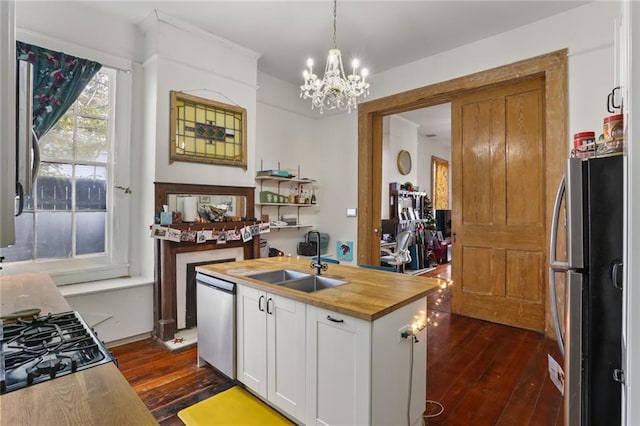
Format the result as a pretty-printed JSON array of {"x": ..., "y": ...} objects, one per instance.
[{"x": 590, "y": 334}]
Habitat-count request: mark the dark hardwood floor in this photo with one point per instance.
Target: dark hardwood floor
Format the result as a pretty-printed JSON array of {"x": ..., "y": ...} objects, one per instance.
[{"x": 482, "y": 373}]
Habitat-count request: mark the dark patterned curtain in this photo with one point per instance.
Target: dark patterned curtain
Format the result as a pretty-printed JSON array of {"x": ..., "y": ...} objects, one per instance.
[{"x": 58, "y": 80}]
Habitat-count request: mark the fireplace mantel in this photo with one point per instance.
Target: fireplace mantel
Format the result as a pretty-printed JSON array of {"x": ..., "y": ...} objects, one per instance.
[{"x": 165, "y": 304}]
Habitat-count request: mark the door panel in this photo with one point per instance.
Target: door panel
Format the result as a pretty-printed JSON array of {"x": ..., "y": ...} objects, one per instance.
[
  {"x": 479, "y": 157},
  {"x": 521, "y": 282},
  {"x": 499, "y": 204},
  {"x": 524, "y": 155}
]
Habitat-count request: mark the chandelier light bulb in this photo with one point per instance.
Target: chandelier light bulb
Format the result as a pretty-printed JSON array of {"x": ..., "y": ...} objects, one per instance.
[
  {"x": 334, "y": 89},
  {"x": 355, "y": 64}
]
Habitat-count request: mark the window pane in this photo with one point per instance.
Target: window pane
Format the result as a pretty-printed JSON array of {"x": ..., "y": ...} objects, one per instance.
[
  {"x": 90, "y": 232},
  {"x": 91, "y": 186},
  {"x": 91, "y": 139},
  {"x": 94, "y": 99},
  {"x": 57, "y": 143},
  {"x": 53, "y": 235},
  {"x": 27, "y": 203},
  {"x": 53, "y": 187},
  {"x": 23, "y": 249},
  {"x": 66, "y": 213}
]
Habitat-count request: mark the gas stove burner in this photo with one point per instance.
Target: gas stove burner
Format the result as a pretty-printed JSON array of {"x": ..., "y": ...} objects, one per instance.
[
  {"x": 49, "y": 366},
  {"x": 45, "y": 367},
  {"x": 47, "y": 347}
]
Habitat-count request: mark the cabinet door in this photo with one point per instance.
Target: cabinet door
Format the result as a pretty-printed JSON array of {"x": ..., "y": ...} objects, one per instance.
[
  {"x": 286, "y": 355},
  {"x": 338, "y": 368},
  {"x": 252, "y": 339}
]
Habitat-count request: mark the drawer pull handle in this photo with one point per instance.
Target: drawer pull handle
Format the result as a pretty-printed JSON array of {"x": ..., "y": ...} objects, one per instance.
[{"x": 333, "y": 319}]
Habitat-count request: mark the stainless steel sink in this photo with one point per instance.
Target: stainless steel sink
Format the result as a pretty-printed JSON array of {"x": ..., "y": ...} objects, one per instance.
[
  {"x": 276, "y": 277},
  {"x": 312, "y": 283}
]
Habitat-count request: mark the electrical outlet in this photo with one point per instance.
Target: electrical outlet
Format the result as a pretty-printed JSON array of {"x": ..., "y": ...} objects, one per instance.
[{"x": 404, "y": 332}]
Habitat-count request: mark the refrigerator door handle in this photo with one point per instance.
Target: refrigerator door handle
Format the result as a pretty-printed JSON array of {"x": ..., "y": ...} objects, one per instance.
[
  {"x": 555, "y": 264},
  {"x": 573, "y": 354},
  {"x": 574, "y": 203},
  {"x": 554, "y": 309},
  {"x": 616, "y": 274},
  {"x": 555, "y": 219}
]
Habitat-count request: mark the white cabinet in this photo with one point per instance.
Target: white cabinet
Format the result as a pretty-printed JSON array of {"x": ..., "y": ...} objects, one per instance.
[
  {"x": 358, "y": 372},
  {"x": 271, "y": 348},
  {"x": 325, "y": 368},
  {"x": 338, "y": 368}
]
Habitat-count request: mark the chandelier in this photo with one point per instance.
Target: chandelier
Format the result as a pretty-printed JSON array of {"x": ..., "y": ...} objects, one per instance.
[{"x": 335, "y": 90}]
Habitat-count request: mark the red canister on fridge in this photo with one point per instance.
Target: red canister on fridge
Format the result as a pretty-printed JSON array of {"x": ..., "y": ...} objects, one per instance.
[{"x": 584, "y": 141}]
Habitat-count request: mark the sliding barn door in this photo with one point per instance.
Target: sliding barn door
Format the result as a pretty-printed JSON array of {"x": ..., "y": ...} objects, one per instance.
[{"x": 498, "y": 165}]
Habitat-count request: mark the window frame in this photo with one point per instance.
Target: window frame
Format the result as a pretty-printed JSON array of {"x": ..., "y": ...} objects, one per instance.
[{"x": 115, "y": 262}]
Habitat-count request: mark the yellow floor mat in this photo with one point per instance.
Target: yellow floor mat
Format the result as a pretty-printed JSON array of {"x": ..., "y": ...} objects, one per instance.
[{"x": 235, "y": 407}]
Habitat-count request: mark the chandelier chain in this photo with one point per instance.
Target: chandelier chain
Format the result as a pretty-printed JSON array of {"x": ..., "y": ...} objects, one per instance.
[{"x": 335, "y": 9}]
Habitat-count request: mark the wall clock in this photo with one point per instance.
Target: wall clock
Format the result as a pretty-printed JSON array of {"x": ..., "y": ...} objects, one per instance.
[{"x": 404, "y": 162}]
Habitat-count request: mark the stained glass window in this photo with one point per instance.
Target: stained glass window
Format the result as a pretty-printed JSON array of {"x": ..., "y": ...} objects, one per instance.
[{"x": 205, "y": 131}]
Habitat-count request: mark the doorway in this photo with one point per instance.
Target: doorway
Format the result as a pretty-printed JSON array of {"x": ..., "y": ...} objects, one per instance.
[
  {"x": 552, "y": 68},
  {"x": 424, "y": 135}
]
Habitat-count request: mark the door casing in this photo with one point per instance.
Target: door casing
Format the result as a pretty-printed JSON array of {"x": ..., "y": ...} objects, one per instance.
[{"x": 552, "y": 67}]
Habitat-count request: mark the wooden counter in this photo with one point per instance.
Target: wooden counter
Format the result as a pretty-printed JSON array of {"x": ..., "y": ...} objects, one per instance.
[
  {"x": 97, "y": 396},
  {"x": 369, "y": 294}
]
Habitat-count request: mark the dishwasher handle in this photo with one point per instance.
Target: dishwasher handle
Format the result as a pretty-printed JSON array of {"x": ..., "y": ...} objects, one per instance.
[{"x": 217, "y": 283}]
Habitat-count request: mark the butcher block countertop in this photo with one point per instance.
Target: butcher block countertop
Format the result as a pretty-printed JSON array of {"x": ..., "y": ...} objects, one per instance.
[
  {"x": 97, "y": 396},
  {"x": 369, "y": 294}
]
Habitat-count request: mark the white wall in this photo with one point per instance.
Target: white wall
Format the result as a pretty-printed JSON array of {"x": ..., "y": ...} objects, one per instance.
[
  {"x": 177, "y": 47},
  {"x": 401, "y": 134},
  {"x": 286, "y": 139},
  {"x": 335, "y": 164}
]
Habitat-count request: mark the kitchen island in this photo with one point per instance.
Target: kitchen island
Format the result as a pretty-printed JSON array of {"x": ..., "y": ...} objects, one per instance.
[
  {"x": 354, "y": 353},
  {"x": 99, "y": 395}
]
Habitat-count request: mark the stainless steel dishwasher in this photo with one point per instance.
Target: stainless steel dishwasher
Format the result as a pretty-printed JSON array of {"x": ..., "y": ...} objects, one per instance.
[{"x": 216, "y": 304}]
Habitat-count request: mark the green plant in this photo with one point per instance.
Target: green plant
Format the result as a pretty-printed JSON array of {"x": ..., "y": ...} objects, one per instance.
[{"x": 429, "y": 221}]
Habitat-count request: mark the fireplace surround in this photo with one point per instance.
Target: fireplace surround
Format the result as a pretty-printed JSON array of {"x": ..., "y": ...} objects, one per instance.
[{"x": 166, "y": 252}]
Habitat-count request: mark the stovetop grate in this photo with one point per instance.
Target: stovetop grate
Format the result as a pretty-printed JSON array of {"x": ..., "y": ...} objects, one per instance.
[{"x": 34, "y": 351}]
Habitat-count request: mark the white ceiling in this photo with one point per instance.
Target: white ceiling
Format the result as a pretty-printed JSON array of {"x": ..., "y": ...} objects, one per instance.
[
  {"x": 433, "y": 122},
  {"x": 382, "y": 34}
]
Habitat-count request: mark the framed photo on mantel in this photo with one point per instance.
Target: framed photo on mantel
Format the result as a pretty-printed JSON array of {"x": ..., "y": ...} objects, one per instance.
[{"x": 206, "y": 131}]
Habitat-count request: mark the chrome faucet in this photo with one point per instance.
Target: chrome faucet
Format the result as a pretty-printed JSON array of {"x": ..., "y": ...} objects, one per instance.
[{"x": 317, "y": 264}]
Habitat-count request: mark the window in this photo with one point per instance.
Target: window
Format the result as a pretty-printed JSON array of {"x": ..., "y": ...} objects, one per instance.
[{"x": 66, "y": 220}]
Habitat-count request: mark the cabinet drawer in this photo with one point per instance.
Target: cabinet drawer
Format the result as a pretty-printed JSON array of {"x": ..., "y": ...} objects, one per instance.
[{"x": 335, "y": 319}]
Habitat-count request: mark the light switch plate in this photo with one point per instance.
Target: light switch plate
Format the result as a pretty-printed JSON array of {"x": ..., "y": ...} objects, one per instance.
[{"x": 352, "y": 212}]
